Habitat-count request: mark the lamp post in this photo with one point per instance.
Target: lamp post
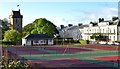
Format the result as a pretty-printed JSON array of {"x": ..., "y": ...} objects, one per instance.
[
  {"x": 56, "y": 36},
  {"x": 108, "y": 34},
  {"x": 63, "y": 36}
]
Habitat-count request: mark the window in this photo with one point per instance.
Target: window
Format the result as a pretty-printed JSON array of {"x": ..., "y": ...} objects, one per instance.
[
  {"x": 36, "y": 41},
  {"x": 41, "y": 41},
  {"x": 109, "y": 37},
  {"x": 16, "y": 20},
  {"x": 44, "y": 41},
  {"x": 114, "y": 37},
  {"x": 50, "y": 40},
  {"x": 109, "y": 30},
  {"x": 103, "y": 30},
  {"x": 114, "y": 30}
]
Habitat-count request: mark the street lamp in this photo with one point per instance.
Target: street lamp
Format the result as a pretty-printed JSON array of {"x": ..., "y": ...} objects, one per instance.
[
  {"x": 56, "y": 36},
  {"x": 63, "y": 36},
  {"x": 108, "y": 31}
]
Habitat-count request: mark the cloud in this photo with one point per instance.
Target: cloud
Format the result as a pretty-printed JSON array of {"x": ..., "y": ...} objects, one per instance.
[
  {"x": 86, "y": 17},
  {"x": 106, "y": 13},
  {"x": 58, "y": 21}
]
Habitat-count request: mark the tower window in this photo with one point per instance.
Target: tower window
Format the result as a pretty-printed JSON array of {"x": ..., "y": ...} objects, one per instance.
[{"x": 16, "y": 20}]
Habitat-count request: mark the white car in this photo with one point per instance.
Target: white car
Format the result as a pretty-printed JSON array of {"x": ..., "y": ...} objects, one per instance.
[
  {"x": 117, "y": 43},
  {"x": 110, "y": 43},
  {"x": 102, "y": 42}
]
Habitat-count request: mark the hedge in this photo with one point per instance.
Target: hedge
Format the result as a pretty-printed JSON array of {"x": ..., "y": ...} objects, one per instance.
[{"x": 8, "y": 43}]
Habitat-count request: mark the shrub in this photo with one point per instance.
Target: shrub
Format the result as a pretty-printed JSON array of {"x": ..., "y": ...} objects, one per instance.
[
  {"x": 84, "y": 41},
  {"x": 8, "y": 43}
]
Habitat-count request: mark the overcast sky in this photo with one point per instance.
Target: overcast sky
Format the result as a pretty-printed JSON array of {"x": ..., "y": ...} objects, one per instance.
[{"x": 61, "y": 12}]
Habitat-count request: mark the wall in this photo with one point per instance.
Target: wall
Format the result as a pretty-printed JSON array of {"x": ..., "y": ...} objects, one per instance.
[
  {"x": 108, "y": 30},
  {"x": 39, "y": 42},
  {"x": 50, "y": 42},
  {"x": 28, "y": 42},
  {"x": 23, "y": 41}
]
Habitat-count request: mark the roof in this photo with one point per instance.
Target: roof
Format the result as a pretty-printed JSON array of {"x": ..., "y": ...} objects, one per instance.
[
  {"x": 16, "y": 14},
  {"x": 38, "y": 36}
]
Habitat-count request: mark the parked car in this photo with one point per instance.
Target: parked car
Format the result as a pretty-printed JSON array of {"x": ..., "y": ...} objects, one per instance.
[
  {"x": 117, "y": 43},
  {"x": 102, "y": 42},
  {"x": 94, "y": 42},
  {"x": 110, "y": 43}
]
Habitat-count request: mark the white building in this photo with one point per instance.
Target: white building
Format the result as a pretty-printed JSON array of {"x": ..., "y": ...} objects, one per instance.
[
  {"x": 37, "y": 39},
  {"x": 110, "y": 28}
]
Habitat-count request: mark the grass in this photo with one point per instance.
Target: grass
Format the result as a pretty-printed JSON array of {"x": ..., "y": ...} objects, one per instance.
[
  {"x": 83, "y": 42},
  {"x": 77, "y": 44},
  {"x": 7, "y": 45}
]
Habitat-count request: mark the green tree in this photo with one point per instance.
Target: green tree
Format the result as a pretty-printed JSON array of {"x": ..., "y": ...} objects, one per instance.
[
  {"x": 12, "y": 36},
  {"x": 40, "y": 26},
  {"x": 98, "y": 36},
  {"x": 27, "y": 29},
  {"x": 5, "y": 26}
]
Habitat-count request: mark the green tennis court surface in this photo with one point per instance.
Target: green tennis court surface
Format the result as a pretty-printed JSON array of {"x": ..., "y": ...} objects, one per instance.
[{"x": 59, "y": 56}]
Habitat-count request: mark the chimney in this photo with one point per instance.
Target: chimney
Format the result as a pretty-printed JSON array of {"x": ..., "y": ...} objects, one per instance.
[
  {"x": 69, "y": 25},
  {"x": 114, "y": 18},
  {"x": 61, "y": 26},
  {"x": 101, "y": 19},
  {"x": 91, "y": 22},
  {"x": 80, "y": 24}
]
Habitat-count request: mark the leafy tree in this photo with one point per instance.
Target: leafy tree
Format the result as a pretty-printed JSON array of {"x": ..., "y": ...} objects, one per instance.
[
  {"x": 44, "y": 26},
  {"x": 98, "y": 36},
  {"x": 27, "y": 29},
  {"x": 40, "y": 26},
  {"x": 12, "y": 36},
  {"x": 5, "y": 26}
]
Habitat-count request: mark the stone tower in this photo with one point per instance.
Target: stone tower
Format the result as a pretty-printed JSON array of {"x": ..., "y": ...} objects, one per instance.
[{"x": 16, "y": 20}]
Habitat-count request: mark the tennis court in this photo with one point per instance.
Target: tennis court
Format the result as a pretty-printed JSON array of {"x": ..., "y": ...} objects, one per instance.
[{"x": 69, "y": 56}]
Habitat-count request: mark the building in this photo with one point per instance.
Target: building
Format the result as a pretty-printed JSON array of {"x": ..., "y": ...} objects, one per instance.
[
  {"x": 109, "y": 28},
  {"x": 16, "y": 20},
  {"x": 37, "y": 39},
  {"x": 70, "y": 32}
]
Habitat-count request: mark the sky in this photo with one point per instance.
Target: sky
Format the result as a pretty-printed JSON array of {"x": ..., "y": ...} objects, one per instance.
[{"x": 61, "y": 13}]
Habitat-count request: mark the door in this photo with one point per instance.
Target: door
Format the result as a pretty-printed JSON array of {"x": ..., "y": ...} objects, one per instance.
[{"x": 31, "y": 42}]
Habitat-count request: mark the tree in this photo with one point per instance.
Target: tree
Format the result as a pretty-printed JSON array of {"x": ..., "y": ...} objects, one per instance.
[
  {"x": 27, "y": 29},
  {"x": 5, "y": 26},
  {"x": 98, "y": 36},
  {"x": 43, "y": 26},
  {"x": 12, "y": 36},
  {"x": 40, "y": 26}
]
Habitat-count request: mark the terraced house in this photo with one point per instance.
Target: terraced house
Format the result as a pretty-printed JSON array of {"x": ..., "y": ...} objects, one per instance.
[{"x": 109, "y": 28}]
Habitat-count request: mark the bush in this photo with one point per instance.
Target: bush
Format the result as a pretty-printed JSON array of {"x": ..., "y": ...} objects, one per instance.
[
  {"x": 84, "y": 41},
  {"x": 8, "y": 43},
  {"x": 60, "y": 41}
]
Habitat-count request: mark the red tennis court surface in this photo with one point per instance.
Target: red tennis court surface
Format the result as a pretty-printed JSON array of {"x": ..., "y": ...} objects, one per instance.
[
  {"x": 102, "y": 47},
  {"x": 109, "y": 58},
  {"x": 59, "y": 56}
]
